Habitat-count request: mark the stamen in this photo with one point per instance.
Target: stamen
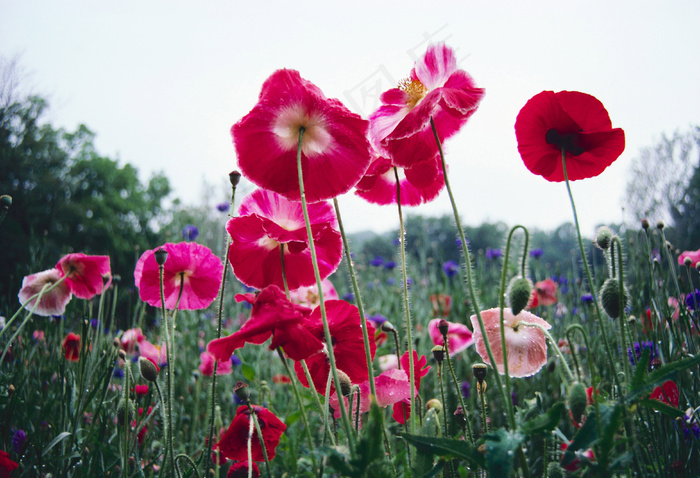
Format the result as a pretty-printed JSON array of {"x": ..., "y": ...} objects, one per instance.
[{"x": 415, "y": 89}]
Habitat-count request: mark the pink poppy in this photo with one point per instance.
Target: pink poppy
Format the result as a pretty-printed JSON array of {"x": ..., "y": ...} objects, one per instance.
[
  {"x": 334, "y": 151},
  {"x": 190, "y": 267},
  {"x": 693, "y": 255},
  {"x": 459, "y": 337},
  {"x": 526, "y": 346},
  {"x": 155, "y": 353},
  {"x": 71, "y": 346},
  {"x": 130, "y": 339},
  {"x": 234, "y": 442},
  {"x": 51, "y": 303},
  {"x": 85, "y": 274},
  {"x": 402, "y": 410},
  {"x": 268, "y": 221},
  {"x": 667, "y": 393},
  {"x": 206, "y": 365},
  {"x": 419, "y": 184},
  {"x": 400, "y": 128},
  {"x": 308, "y": 296},
  {"x": 546, "y": 292},
  {"x": 392, "y": 386},
  {"x": 348, "y": 345},
  {"x": 272, "y": 316}
]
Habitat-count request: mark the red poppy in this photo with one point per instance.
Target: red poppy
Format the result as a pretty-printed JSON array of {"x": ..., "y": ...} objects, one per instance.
[
  {"x": 667, "y": 393},
  {"x": 435, "y": 88},
  {"x": 402, "y": 410},
  {"x": 272, "y": 316},
  {"x": 334, "y": 151},
  {"x": 51, "y": 303},
  {"x": 141, "y": 389},
  {"x": 569, "y": 120},
  {"x": 268, "y": 221},
  {"x": 546, "y": 291},
  {"x": 240, "y": 470},
  {"x": 6, "y": 465},
  {"x": 85, "y": 274},
  {"x": 348, "y": 345},
  {"x": 234, "y": 443},
  {"x": 71, "y": 345},
  {"x": 281, "y": 378},
  {"x": 189, "y": 267}
]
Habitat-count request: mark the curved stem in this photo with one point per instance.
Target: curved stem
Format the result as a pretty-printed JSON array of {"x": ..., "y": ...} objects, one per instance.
[
  {"x": 554, "y": 344},
  {"x": 315, "y": 393},
  {"x": 189, "y": 461},
  {"x": 594, "y": 395}
]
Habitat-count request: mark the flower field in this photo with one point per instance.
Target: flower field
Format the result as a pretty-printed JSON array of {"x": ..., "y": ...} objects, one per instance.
[{"x": 288, "y": 353}]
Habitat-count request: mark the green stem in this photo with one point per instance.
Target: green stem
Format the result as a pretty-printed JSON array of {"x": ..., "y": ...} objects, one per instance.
[
  {"x": 168, "y": 376},
  {"x": 324, "y": 318},
  {"x": 254, "y": 417},
  {"x": 554, "y": 345},
  {"x": 320, "y": 406},
  {"x": 457, "y": 387}
]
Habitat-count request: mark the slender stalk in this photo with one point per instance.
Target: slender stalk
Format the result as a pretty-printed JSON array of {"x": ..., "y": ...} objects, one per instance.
[
  {"x": 315, "y": 394},
  {"x": 326, "y": 330},
  {"x": 168, "y": 376},
  {"x": 254, "y": 418},
  {"x": 406, "y": 306},
  {"x": 554, "y": 345},
  {"x": 457, "y": 388}
]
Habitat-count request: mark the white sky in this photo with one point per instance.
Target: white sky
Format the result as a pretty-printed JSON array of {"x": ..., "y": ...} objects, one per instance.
[{"x": 161, "y": 82}]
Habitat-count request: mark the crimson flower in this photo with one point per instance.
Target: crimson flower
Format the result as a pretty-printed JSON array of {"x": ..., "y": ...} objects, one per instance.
[
  {"x": 272, "y": 316},
  {"x": 6, "y": 465},
  {"x": 268, "y": 221},
  {"x": 459, "y": 337},
  {"x": 402, "y": 410},
  {"x": 240, "y": 470},
  {"x": 190, "y": 269},
  {"x": 141, "y": 389},
  {"x": 85, "y": 274},
  {"x": 71, "y": 345},
  {"x": 334, "y": 149},
  {"x": 571, "y": 121},
  {"x": 526, "y": 346},
  {"x": 348, "y": 346},
  {"x": 421, "y": 183},
  {"x": 667, "y": 393},
  {"x": 51, "y": 303},
  {"x": 400, "y": 128},
  {"x": 234, "y": 443}
]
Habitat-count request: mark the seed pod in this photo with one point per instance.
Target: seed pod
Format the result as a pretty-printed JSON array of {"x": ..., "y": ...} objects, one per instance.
[
  {"x": 519, "y": 292},
  {"x": 610, "y": 297},
  {"x": 576, "y": 399}
]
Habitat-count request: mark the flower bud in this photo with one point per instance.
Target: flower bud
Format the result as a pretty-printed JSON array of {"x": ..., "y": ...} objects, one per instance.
[
  {"x": 116, "y": 278},
  {"x": 439, "y": 353},
  {"x": 519, "y": 292},
  {"x": 434, "y": 404},
  {"x": 443, "y": 327},
  {"x": 115, "y": 343},
  {"x": 5, "y": 201},
  {"x": 645, "y": 224},
  {"x": 234, "y": 177},
  {"x": 122, "y": 355},
  {"x": 242, "y": 391},
  {"x": 479, "y": 370},
  {"x": 345, "y": 383},
  {"x": 604, "y": 237},
  {"x": 161, "y": 256},
  {"x": 687, "y": 262},
  {"x": 660, "y": 225},
  {"x": 577, "y": 400},
  {"x": 148, "y": 369},
  {"x": 610, "y": 297},
  {"x": 125, "y": 411},
  {"x": 387, "y": 326}
]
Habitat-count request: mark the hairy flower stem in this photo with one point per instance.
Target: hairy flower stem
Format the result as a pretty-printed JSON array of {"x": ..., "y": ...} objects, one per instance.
[
  {"x": 406, "y": 306},
  {"x": 457, "y": 388},
  {"x": 326, "y": 330},
  {"x": 168, "y": 424},
  {"x": 470, "y": 281},
  {"x": 358, "y": 298},
  {"x": 254, "y": 418},
  {"x": 602, "y": 318},
  {"x": 320, "y": 406},
  {"x": 127, "y": 423},
  {"x": 506, "y": 376}
]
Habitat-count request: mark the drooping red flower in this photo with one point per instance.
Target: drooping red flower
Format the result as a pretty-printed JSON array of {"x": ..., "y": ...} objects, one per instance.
[
  {"x": 348, "y": 346},
  {"x": 189, "y": 266},
  {"x": 435, "y": 88},
  {"x": 234, "y": 443},
  {"x": 71, "y": 346},
  {"x": 268, "y": 221},
  {"x": 51, "y": 303},
  {"x": 402, "y": 409},
  {"x": 546, "y": 291},
  {"x": 85, "y": 274},
  {"x": 7, "y": 466},
  {"x": 421, "y": 183},
  {"x": 693, "y": 255},
  {"x": 569, "y": 120},
  {"x": 526, "y": 346},
  {"x": 272, "y": 316},
  {"x": 459, "y": 337},
  {"x": 667, "y": 393},
  {"x": 334, "y": 151}
]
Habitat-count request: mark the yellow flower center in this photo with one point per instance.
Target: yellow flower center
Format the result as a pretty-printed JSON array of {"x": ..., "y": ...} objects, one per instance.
[{"x": 415, "y": 89}]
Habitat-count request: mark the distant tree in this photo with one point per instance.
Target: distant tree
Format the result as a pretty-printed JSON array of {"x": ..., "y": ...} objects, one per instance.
[
  {"x": 659, "y": 176},
  {"x": 68, "y": 198},
  {"x": 686, "y": 214}
]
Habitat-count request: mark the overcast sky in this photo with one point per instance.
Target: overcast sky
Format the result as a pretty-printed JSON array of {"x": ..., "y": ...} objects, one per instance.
[{"x": 161, "y": 82}]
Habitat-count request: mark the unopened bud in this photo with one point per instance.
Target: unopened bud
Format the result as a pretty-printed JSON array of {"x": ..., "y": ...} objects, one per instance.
[
  {"x": 242, "y": 391},
  {"x": 434, "y": 404},
  {"x": 122, "y": 354},
  {"x": 480, "y": 370},
  {"x": 387, "y": 326},
  {"x": 234, "y": 177},
  {"x": 610, "y": 297},
  {"x": 161, "y": 256},
  {"x": 116, "y": 278},
  {"x": 576, "y": 399},
  {"x": 5, "y": 201},
  {"x": 660, "y": 225},
  {"x": 10, "y": 389},
  {"x": 148, "y": 369},
  {"x": 687, "y": 262},
  {"x": 115, "y": 343},
  {"x": 604, "y": 237},
  {"x": 344, "y": 382},
  {"x": 519, "y": 292},
  {"x": 645, "y": 224},
  {"x": 443, "y": 327}
]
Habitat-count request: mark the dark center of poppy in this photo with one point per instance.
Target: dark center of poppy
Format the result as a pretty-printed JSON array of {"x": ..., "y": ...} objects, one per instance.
[{"x": 569, "y": 142}]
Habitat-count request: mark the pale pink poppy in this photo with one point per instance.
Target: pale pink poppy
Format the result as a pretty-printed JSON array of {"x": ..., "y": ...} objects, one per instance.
[
  {"x": 526, "y": 346},
  {"x": 131, "y": 338},
  {"x": 85, "y": 274},
  {"x": 51, "y": 303},
  {"x": 308, "y": 296},
  {"x": 206, "y": 365},
  {"x": 388, "y": 362},
  {"x": 546, "y": 292},
  {"x": 459, "y": 337},
  {"x": 693, "y": 255}
]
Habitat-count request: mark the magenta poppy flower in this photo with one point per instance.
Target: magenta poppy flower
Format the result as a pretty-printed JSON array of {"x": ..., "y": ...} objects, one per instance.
[
  {"x": 71, "y": 347},
  {"x": 526, "y": 346},
  {"x": 85, "y": 274},
  {"x": 421, "y": 183},
  {"x": 51, "y": 303},
  {"x": 569, "y": 120},
  {"x": 189, "y": 266},
  {"x": 234, "y": 442},
  {"x": 206, "y": 365},
  {"x": 268, "y": 221},
  {"x": 402, "y": 409},
  {"x": 141, "y": 389},
  {"x": 7, "y": 466},
  {"x": 308, "y": 296},
  {"x": 693, "y": 255},
  {"x": 334, "y": 151},
  {"x": 155, "y": 353},
  {"x": 272, "y": 316},
  {"x": 459, "y": 337},
  {"x": 348, "y": 346},
  {"x": 400, "y": 128}
]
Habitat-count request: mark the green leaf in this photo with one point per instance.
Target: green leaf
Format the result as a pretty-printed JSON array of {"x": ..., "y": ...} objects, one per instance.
[
  {"x": 545, "y": 422},
  {"x": 587, "y": 434},
  {"x": 292, "y": 418},
  {"x": 339, "y": 461},
  {"x": 662, "y": 407},
  {"x": 500, "y": 451},
  {"x": 248, "y": 372},
  {"x": 54, "y": 442},
  {"x": 607, "y": 443},
  {"x": 660, "y": 375},
  {"x": 446, "y": 448}
]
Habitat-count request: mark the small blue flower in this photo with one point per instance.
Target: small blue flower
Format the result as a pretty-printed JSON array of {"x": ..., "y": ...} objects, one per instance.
[
  {"x": 638, "y": 349},
  {"x": 391, "y": 281},
  {"x": 536, "y": 253},
  {"x": 493, "y": 254},
  {"x": 396, "y": 241},
  {"x": 190, "y": 232},
  {"x": 222, "y": 206},
  {"x": 349, "y": 297},
  {"x": 378, "y": 261},
  {"x": 450, "y": 268},
  {"x": 692, "y": 299},
  {"x": 94, "y": 323},
  {"x": 409, "y": 281},
  {"x": 389, "y": 265},
  {"x": 587, "y": 298},
  {"x": 118, "y": 373},
  {"x": 378, "y": 319},
  {"x": 18, "y": 440},
  {"x": 466, "y": 389},
  {"x": 235, "y": 361}
]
